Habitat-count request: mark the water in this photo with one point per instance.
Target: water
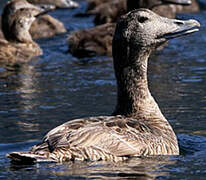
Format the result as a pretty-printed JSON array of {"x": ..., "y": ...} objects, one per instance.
[{"x": 59, "y": 87}]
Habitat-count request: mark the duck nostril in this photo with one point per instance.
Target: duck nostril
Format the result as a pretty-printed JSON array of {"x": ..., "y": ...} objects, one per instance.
[{"x": 179, "y": 22}]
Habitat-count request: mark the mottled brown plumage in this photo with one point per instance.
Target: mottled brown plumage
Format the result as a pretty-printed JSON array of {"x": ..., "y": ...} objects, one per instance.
[
  {"x": 19, "y": 47},
  {"x": 92, "y": 42},
  {"x": 109, "y": 12},
  {"x": 46, "y": 26},
  {"x": 137, "y": 126}
]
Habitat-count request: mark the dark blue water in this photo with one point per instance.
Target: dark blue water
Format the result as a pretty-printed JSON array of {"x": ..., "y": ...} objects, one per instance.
[{"x": 58, "y": 87}]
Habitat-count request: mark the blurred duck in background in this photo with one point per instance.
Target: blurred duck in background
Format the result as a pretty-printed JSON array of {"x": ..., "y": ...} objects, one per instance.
[
  {"x": 98, "y": 40},
  {"x": 43, "y": 26},
  {"x": 18, "y": 47}
]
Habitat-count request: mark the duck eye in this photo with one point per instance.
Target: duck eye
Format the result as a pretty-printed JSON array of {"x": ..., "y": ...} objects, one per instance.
[{"x": 142, "y": 19}]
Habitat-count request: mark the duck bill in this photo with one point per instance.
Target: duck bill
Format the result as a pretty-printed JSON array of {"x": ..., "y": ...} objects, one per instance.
[
  {"x": 178, "y": 2},
  {"x": 44, "y": 9},
  {"x": 182, "y": 28}
]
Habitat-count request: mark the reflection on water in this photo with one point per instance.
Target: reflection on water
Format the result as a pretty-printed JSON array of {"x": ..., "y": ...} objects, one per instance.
[
  {"x": 58, "y": 87},
  {"x": 143, "y": 168},
  {"x": 133, "y": 168},
  {"x": 26, "y": 88}
]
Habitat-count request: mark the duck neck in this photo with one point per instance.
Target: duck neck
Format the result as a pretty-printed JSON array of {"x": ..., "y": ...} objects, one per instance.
[
  {"x": 16, "y": 29},
  {"x": 22, "y": 36},
  {"x": 133, "y": 95}
]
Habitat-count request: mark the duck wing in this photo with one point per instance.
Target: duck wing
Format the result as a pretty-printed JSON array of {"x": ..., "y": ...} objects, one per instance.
[
  {"x": 93, "y": 41},
  {"x": 115, "y": 135},
  {"x": 14, "y": 54}
]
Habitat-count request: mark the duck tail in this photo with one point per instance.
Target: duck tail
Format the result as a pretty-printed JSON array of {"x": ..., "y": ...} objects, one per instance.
[{"x": 27, "y": 157}]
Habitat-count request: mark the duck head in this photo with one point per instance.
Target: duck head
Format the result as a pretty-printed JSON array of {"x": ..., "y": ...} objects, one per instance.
[
  {"x": 14, "y": 5},
  {"x": 131, "y": 4},
  {"x": 144, "y": 29},
  {"x": 9, "y": 14},
  {"x": 21, "y": 22}
]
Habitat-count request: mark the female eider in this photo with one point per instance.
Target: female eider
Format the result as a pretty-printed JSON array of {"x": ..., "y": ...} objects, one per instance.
[
  {"x": 43, "y": 26},
  {"x": 137, "y": 126},
  {"x": 19, "y": 46},
  {"x": 98, "y": 40}
]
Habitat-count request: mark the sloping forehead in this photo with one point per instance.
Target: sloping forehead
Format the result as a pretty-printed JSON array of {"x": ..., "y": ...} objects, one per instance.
[
  {"x": 132, "y": 15},
  {"x": 25, "y": 12},
  {"x": 19, "y": 4},
  {"x": 142, "y": 12}
]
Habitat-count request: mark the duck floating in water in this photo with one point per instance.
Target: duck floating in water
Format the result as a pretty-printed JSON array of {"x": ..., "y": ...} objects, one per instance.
[
  {"x": 43, "y": 26},
  {"x": 98, "y": 40},
  {"x": 137, "y": 127},
  {"x": 46, "y": 26},
  {"x": 19, "y": 46},
  {"x": 57, "y": 3},
  {"x": 11, "y": 7}
]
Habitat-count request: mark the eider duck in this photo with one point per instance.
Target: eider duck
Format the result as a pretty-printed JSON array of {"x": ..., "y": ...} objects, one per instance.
[
  {"x": 98, "y": 40},
  {"x": 46, "y": 26},
  {"x": 137, "y": 127},
  {"x": 92, "y": 42},
  {"x": 43, "y": 26},
  {"x": 56, "y": 3},
  {"x": 111, "y": 11},
  {"x": 19, "y": 46}
]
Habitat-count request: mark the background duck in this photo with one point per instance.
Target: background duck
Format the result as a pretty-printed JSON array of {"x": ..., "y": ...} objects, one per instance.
[
  {"x": 57, "y": 3},
  {"x": 19, "y": 46},
  {"x": 43, "y": 26},
  {"x": 98, "y": 40},
  {"x": 137, "y": 126},
  {"x": 46, "y": 26},
  {"x": 92, "y": 42}
]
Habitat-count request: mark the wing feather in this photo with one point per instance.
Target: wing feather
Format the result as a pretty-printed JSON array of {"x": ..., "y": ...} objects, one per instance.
[{"x": 112, "y": 134}]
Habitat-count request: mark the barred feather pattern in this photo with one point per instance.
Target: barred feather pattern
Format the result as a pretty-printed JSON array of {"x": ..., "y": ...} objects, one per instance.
[
  {"x": 12, "y": 53},
  {"x": 112, "y": 138}
]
